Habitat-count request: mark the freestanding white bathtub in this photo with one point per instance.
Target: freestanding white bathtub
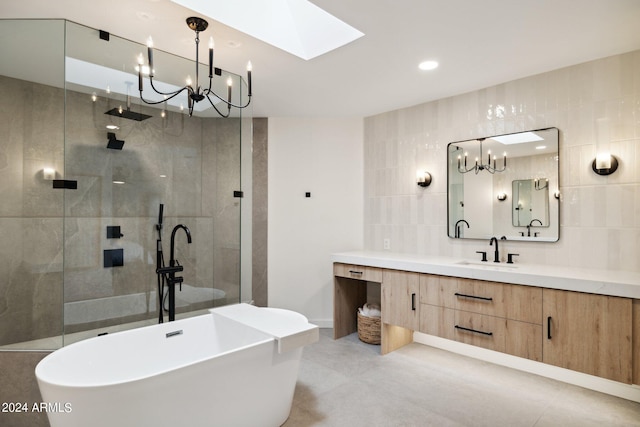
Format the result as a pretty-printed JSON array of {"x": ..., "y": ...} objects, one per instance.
[{"x": 237, "y": 366}]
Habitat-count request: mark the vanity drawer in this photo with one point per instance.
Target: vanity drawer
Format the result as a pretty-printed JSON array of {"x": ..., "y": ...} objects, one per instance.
[
  {"x": 463, "y": 326},
  {"x": 463, "y": 294},
  {"x": 523, "y": 303},
  {"x": 369, "y": 274}
]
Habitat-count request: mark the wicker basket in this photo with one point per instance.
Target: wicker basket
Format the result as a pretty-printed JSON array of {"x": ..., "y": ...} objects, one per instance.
[{"x": 369, "y": 329}]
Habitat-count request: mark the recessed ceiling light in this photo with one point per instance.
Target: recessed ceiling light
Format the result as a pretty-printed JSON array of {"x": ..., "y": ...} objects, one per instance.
[
  {"x": 428, "y": 65},
  {"x": 112, "y": 127},
  {"x": 541, "y": 147},
  {"x": 118, "y": 182}
]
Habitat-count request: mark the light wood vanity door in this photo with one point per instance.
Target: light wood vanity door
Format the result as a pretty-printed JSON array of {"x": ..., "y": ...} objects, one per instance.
[
  {"x": 400, "y": 298},
  {"x": 524, "y": 340},
  {"x": 523, "y": 303},
  {"x": 588, "y": 333}
]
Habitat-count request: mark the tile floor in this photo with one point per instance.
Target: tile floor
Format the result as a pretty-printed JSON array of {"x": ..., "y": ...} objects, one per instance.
[{"x": 346, "y": 382}]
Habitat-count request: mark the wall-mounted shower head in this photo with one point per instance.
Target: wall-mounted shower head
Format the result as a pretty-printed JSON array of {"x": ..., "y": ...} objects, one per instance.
[
  {"x": 114, "y": 143},
  {"x": 127, "y": 114}
]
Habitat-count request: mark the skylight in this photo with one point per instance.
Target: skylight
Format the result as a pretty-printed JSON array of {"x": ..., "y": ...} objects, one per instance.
[
  {"x": 295, "y": 26},
  {"x": 517, "y": 138}
]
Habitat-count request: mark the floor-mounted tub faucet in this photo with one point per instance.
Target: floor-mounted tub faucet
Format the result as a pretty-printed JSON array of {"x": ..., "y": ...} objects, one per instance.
[
  {"x": 174, "y": 267},
  {"x": 496, "y": 253}
]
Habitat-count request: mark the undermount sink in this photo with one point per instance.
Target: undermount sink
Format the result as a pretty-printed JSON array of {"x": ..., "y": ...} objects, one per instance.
[{"x": 488, "y": 265}]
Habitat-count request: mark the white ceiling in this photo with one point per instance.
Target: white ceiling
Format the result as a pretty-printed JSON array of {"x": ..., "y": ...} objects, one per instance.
[{"x": 478, "y": 43}]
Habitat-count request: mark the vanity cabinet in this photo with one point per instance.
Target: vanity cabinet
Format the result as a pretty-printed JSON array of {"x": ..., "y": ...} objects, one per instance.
[
  {"x": 401, "y": 299},
  {"x": 496, "y": 316},
  {"x": 350, "y": 293},
  {"x": 588, "y": 333},
  {"x": 400, "y": 305}
]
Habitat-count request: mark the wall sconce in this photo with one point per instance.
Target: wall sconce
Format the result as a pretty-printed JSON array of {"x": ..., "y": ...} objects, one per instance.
[
  {"x": 48, "y": 174},
  {"x": 556, "y": 194},
  {"x": 502, "y": 196},
  {"x": 604, "y": 164},
  {"x": 423, "y": 178}
]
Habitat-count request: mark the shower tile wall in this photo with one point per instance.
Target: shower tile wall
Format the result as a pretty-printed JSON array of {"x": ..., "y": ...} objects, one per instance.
[
  {"x": 191, "y": 165},
  {"x": 200, "y": 159},
  {"x": 600, "y": 216},
  {"x": 31, "y": 129}
]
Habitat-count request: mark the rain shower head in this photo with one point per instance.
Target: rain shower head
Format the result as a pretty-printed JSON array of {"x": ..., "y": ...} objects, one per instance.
[
  {"x": 127, "y": 114},
  {"x": 114, "y": 143}
]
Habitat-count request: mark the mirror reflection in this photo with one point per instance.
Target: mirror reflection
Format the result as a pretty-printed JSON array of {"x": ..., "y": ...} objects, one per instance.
[
  {"x": 504, "y": 186},
  {"x": 530, "y": 204}
]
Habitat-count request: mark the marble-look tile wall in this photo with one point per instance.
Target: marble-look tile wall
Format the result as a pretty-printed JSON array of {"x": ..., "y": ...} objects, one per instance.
[
  {"x": 31, "y": 213},
  {"x": 56, "y": 238},
  {"x": 260, "y": 153},
  {"x": 600, "y": 221}
]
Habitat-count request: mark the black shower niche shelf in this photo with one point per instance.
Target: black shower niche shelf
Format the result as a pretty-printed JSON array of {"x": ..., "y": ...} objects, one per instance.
[{"x": 113, "y": 258}]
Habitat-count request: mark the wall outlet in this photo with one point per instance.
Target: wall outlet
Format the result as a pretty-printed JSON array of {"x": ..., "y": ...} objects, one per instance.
[{"x": 386, "y": 244}]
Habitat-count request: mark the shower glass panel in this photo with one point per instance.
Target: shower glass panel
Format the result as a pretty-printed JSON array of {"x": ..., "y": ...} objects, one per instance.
[
  {"x": 128, "y": 164},
  {"x": 31, "y": 157},
  {"x": 83, "y": 259}
]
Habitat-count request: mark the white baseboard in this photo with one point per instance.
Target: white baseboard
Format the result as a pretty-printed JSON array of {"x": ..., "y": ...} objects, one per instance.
[
  {"x": 614, "y": 388},
  {"x": 322, "y": 323}
]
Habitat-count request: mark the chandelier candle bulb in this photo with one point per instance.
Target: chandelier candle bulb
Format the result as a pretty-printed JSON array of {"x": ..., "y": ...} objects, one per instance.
[
  {"x": 249, "y": 69},
  {"x": 211, "y": 45},
  {"x": 150, "y": 55},
  {"x": 489, "y": 157},
  {"x": 229, "y": 85},
  {"x": 140, "y": 62},
  {"x": 505, "y": 159}
]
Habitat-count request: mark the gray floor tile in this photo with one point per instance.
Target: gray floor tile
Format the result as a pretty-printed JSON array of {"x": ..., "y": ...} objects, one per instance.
[{"x": 346, "y": 382}]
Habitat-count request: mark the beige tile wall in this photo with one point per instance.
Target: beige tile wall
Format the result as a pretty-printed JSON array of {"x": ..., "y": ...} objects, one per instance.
[{"x": 600, "y": 216}]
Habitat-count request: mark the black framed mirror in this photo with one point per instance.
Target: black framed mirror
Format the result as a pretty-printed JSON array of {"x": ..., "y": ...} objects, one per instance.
[{"x": 504, "y": 185}]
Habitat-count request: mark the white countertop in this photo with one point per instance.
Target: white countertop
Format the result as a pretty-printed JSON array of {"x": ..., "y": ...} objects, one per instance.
[{"x": 603, "y": 282}]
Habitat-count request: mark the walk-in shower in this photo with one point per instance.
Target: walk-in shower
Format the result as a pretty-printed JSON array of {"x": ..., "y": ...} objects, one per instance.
[{"x": 83, "y": 261}]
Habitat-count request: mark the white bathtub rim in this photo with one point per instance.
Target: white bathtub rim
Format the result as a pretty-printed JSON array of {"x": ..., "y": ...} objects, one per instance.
[
  {"x": 290, "y": 329},
  {"x": 41, "y": 366}
]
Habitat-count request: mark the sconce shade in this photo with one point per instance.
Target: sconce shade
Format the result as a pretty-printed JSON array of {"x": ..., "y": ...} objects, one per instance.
[
  {"x": 424, "y": 179},
  {"x": 604, "y": 164},
  {"x": 502, "y": 196}
]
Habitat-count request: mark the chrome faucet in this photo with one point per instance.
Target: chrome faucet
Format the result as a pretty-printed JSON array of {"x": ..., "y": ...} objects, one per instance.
[
  {"x": 496, "y": 253},
  {"x": 174, "y": 267},
  {"x": 457, "y": 232}
]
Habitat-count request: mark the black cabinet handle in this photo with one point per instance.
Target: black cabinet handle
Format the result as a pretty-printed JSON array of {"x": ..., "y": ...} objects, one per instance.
[
  {"x": 473, "y": 330},
  {"x": 413, "y": 302},
  {"x": 473, "y": 296},
  {"x": 355, "y": 272},
  {"x": 549, "y": 327}
]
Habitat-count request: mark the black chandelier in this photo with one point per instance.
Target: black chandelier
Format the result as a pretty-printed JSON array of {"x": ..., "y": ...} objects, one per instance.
[
  {"x": 479, "y": 166},
  {"x": 195, "y": 93}
]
